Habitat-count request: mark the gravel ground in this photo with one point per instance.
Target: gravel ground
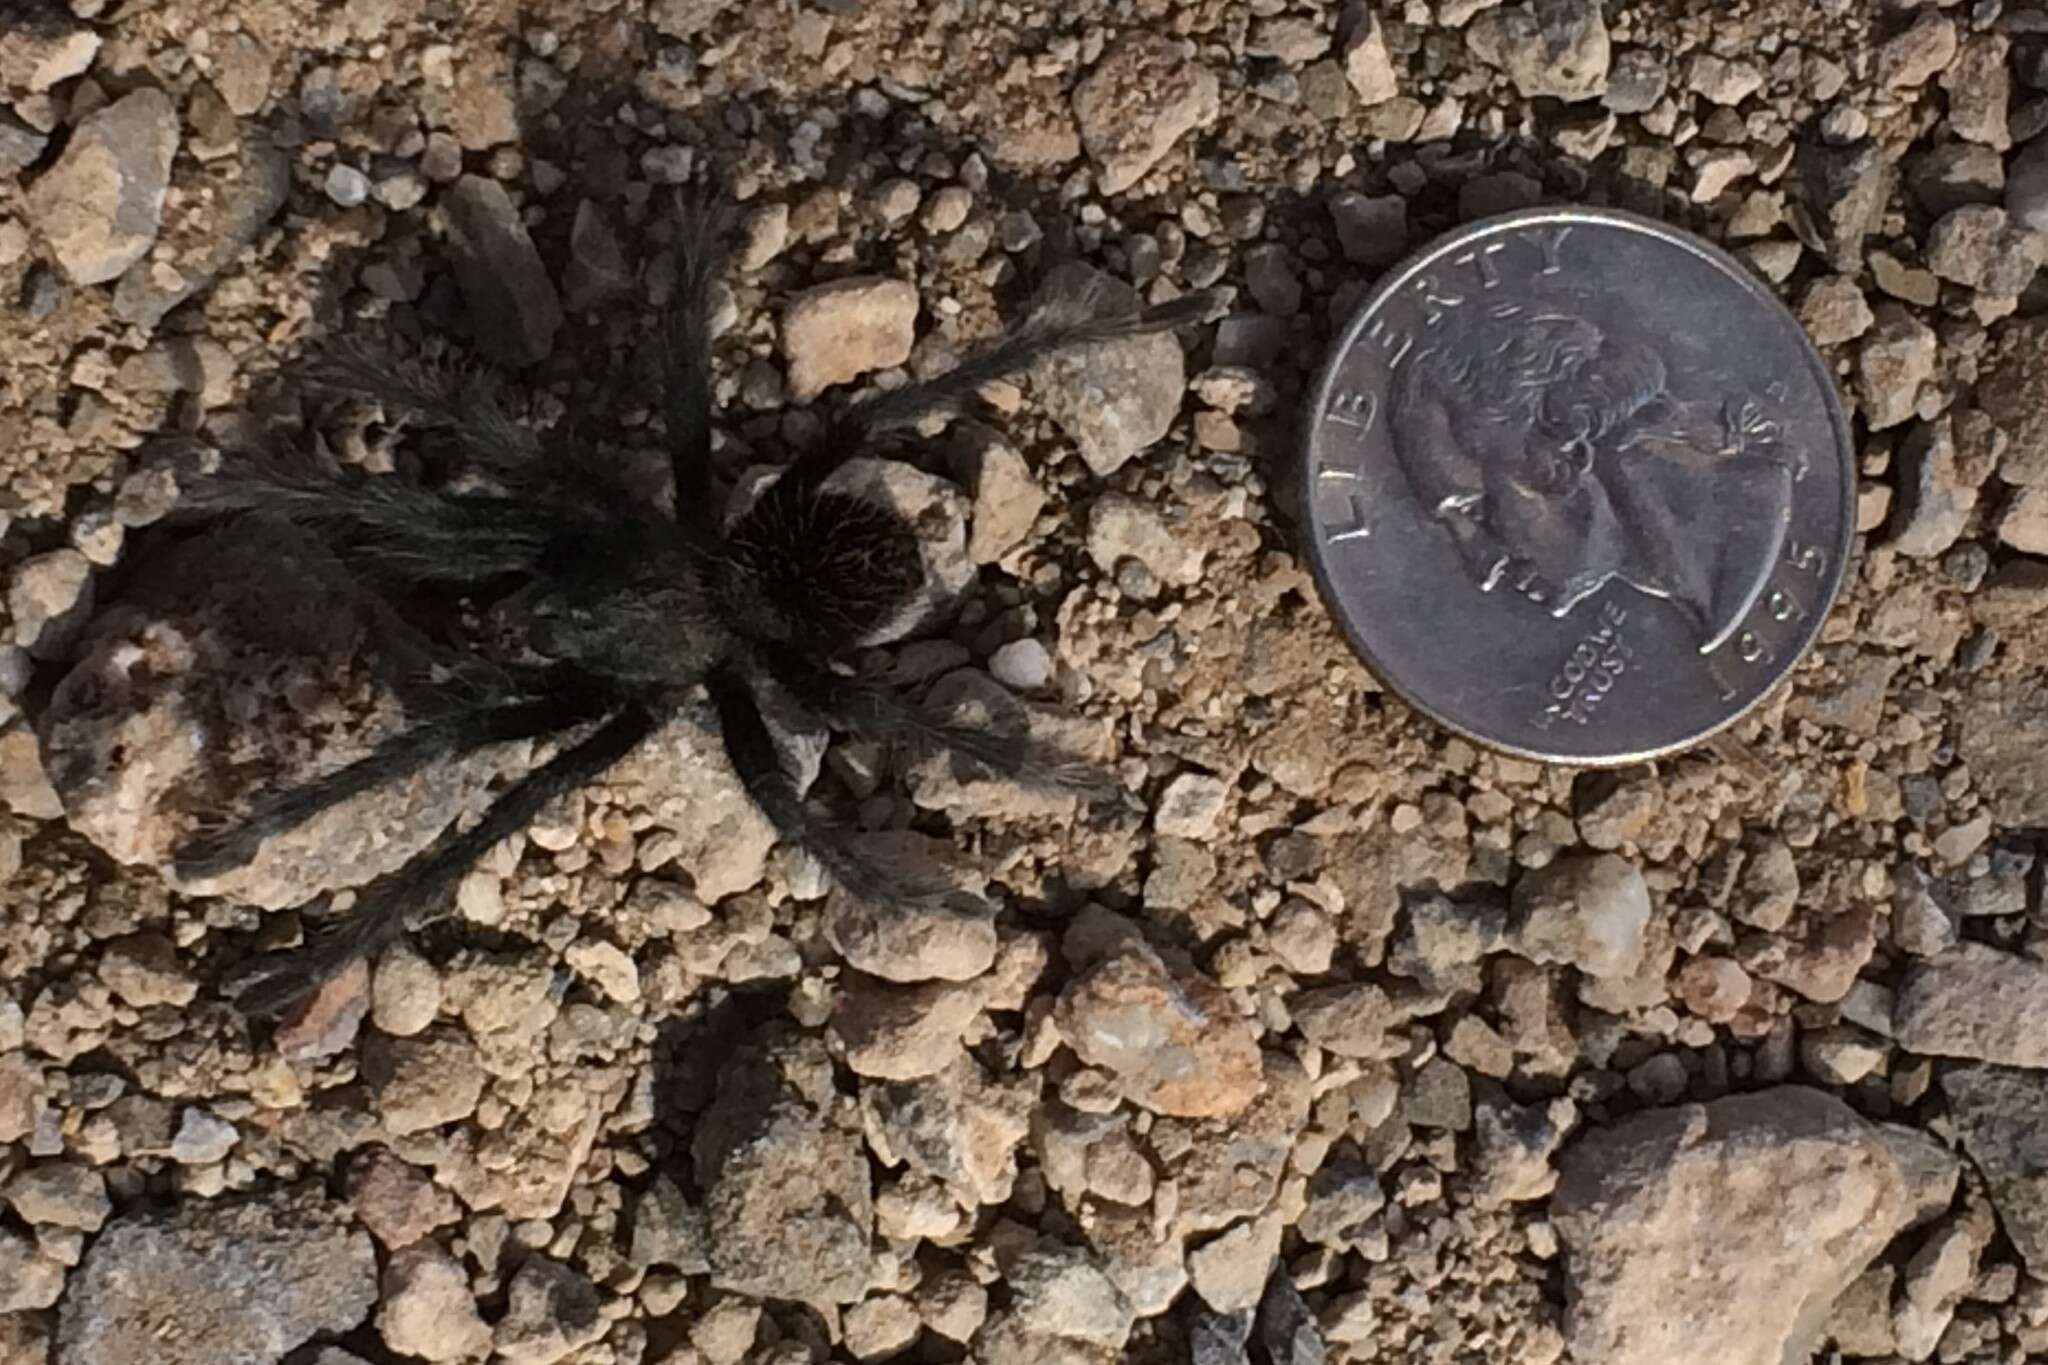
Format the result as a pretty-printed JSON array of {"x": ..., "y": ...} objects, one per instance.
[{"x": 1338, "y": 1039}]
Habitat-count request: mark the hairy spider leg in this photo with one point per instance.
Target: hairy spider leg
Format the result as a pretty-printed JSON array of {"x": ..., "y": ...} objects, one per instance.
[
  {"x": 395, "y": 759},
  {"x": 441, "y": 395},
  {"x": 686, "y": 358},
  {"x": 387, "y": 527},
  {"x": 880, "y": 713},
  {"x": 429, "y": 880},
  {"x": 1061, "y": 322},
  {"x": 751, "y": 750}
]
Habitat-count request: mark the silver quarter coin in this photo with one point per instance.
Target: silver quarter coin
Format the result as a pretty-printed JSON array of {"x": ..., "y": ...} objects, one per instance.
[{"x": 1577, "y": 486}]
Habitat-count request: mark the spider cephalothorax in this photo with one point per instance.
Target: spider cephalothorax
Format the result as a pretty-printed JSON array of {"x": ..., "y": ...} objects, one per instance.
[{"x": 625, "y": 608}]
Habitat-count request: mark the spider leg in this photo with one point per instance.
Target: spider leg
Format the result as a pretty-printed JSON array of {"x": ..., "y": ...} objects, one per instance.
[
  {"x": 385, "y": 525},
  {"x": 396, "y": 758},
  {"x": 686, "y": 357},
  {"x": 880, "y": 713},
  {"x": 389, "y": 903},
  {"x": 1063, "y": 321},
  {"x": 751, "y": 749},
  {"x": 440, "y": 394}
]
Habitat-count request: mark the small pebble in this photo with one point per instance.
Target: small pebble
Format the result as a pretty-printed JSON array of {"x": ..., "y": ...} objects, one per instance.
[
  {"x": 1022, "y": 665},
  {"x": 347, "y": 186}
]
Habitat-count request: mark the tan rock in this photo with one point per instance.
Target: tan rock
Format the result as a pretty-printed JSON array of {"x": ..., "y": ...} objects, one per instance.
[
  {"x": 840, "y": 331},
  {"x": 1722, "y": 1234},
  {"x": 1174, "y": 1039}
]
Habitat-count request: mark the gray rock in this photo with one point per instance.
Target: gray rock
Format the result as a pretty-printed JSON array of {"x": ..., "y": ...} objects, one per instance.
[
  {"x": 597, "y": 270},
  {"x": 1861, "y": 1322},
  {"x": 512, "y": 302},
  {"x": 1022, "y": 665},
  {"x": 245, "y": 1282},
  {"x": 668, "y": 1230},
  {"x": 1372, "y": 230},
  {"x": 2026, "y": 186},
  {"x": 1504, "y": 192},
  {"x": 20, "y": 145},
  {"x": 551, "y": 1311},
  {"x": 347, "y": 186},
  {"x": 405, "y": 992},
  {"x": 1115, "y": 398},
  {"x": 1954, "y": 175},
  {"x": 1551, "y": 49},
  {"x": 1590, "y": 912},
  {"x": 1934, "y": 505},
  {"x": 1062, "y": 1292},
  {"x": 1343, "y": 1200},
  {"x": 836, "y": 332},
  {"x": 202, "y": 1139},
  {"x": 1439, "y": 1095},
  {"x": 960, "y": 1128},
  {"x": 1145, "y": 94},
  {"x": 1896, "y": 358},
  {"x": 1190, "y": 805},
  {"x": 1845, "y": 189},
  {"x": 100, "y": 206},
  {"x": 1978, "y": 246},
  {"x": 787, "y": 1192},
  {"x": 220, "y": 210},
  {"x": 1767, "y": 1205},
  {"x": 1269, "y": 274},
  {"x": 1997, "y": 1113},
  {"x": 1977, "y": 1002},
  {"x": 1636, "y": 80},
  {"x": 1287, "y": 1327},
  {"x": 1512, "y": 1157}
]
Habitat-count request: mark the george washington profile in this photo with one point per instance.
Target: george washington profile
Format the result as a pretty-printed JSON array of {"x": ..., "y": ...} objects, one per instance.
[{"x": 1558, "y": 459}]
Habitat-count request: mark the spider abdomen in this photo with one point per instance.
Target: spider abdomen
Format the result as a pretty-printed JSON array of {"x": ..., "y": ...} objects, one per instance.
[{"x": 821, "y": 569}]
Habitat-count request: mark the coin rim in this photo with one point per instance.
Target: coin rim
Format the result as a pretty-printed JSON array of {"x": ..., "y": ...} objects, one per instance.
[{"x": 1412, "y": 264}]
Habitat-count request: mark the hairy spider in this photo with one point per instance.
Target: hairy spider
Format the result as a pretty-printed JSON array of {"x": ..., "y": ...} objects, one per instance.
[{"x": 625, "y": 608}]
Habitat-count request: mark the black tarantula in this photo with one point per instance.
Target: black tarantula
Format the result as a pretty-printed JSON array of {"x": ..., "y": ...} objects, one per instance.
[{"x": 626, "y": 609}]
